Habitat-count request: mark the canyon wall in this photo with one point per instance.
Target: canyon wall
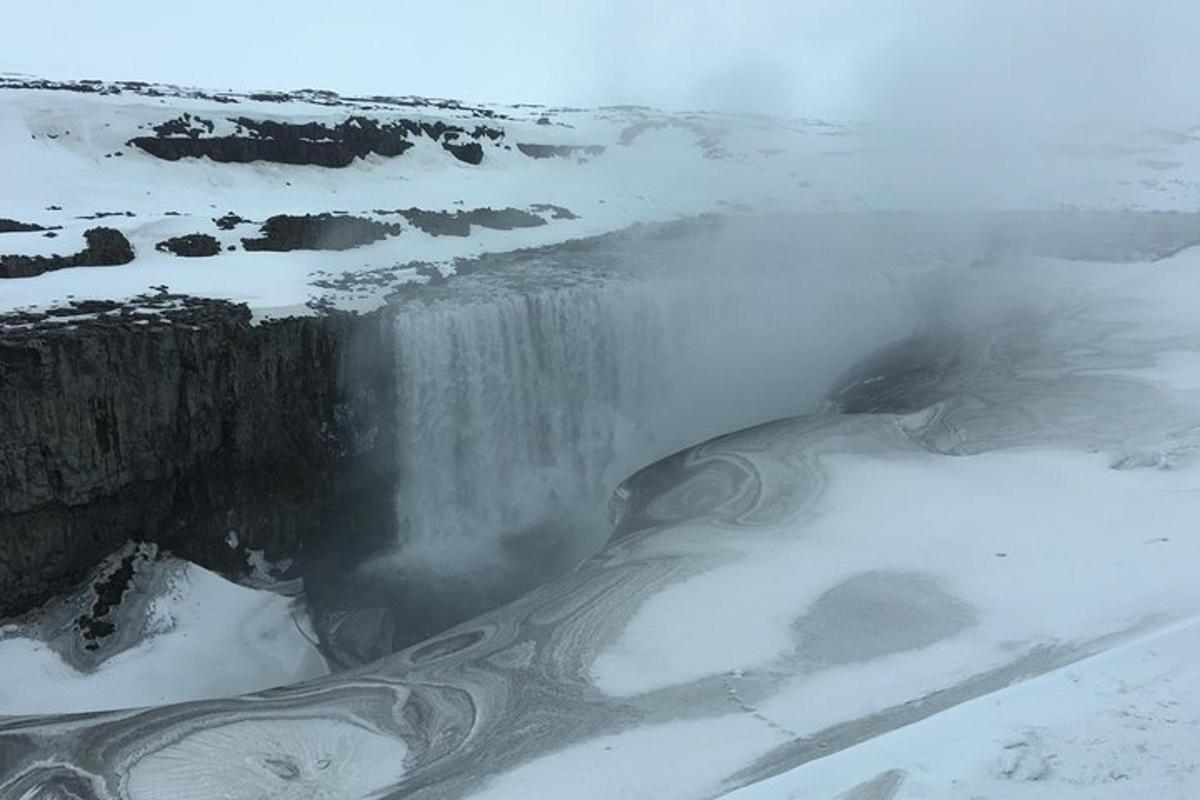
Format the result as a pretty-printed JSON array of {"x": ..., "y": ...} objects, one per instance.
[{"x": 193, "y": 428}]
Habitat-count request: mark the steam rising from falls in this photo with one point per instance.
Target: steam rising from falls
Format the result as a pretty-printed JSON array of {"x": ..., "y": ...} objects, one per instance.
[{"x": 526, "y": 395}]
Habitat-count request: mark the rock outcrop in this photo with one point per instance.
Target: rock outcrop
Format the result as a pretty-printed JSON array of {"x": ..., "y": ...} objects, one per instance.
[
  {"x": 16, "y": 226},
  {"x": 313, "y": 143},
  {"x": 284, "y": 232},
  {"x": 193, "y": 245},
  {"x": 106, "y": 247}
]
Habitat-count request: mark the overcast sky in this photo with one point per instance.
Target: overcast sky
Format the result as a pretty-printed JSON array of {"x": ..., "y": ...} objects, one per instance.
[{"x": 969, "y": 60}]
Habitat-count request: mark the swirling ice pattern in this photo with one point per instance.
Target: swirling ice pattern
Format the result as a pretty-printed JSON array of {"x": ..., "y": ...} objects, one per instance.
[
  {"x": 438, "y": 719},
  {"x": 434, "y": 719}
]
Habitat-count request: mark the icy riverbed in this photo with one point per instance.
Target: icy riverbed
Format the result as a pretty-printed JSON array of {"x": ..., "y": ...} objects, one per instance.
[{"x": 1124, "y": 723}]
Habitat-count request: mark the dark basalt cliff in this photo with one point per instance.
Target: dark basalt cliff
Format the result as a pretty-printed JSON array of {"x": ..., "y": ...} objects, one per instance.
[{"x": 192, "y": 428}]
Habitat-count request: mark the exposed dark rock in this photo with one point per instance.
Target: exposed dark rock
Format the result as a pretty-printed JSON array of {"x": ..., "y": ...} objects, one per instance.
[
  {"x": 12, "y": 226},
  {"x": 307, "y": 143},
  {"x": 106, "y": 247},
  {"x": 185, "y": 125},
  {"x": 503, "y": 219},
  {"x": 470, "y": 153},
  {"x": 458, "y": 223},
  {"x": 179, "y": 425},
  {"x": 319, "y": 232},
  {"x": 438, "y": 129},
  {"x": 283, "y": 142},
  {"x": 438, "y": 223},
  {"x": 560, "y": 150},
  {"x": 94, "y": 624},
  {"x": 193, "y": 245},
  {"x": 229, "y": 221}
]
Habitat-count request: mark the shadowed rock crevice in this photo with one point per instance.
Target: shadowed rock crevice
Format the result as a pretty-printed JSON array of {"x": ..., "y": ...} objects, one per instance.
[{"x": 106, "y": 247}]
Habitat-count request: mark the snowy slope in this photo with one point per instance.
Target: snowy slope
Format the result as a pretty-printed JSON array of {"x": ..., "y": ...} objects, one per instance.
[
  {"x": 194, "y": 635},
  {"x": 68, "y": 156},
  {"x": 1122, "y": 724}
]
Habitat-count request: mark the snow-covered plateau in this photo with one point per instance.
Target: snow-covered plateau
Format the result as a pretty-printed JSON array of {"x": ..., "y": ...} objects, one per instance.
[
  {"x": 159, "y": 162},
  {"x": 406, "y": 448}
]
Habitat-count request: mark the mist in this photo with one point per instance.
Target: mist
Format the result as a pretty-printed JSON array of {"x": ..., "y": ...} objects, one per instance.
[
  {"x": 530, "y": 389},
  {"x": 933, "y": 65}
]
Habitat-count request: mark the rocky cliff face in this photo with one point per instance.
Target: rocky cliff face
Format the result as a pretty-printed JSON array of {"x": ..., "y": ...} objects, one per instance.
[{"x": 190, "y": 427}]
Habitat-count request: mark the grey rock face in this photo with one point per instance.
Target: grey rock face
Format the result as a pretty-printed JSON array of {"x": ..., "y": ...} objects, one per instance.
[{"x": 182, "y": 429}]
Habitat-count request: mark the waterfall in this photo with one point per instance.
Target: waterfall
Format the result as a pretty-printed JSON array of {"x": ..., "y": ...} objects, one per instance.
[
  {"x": 514, "y": 410},
  {"x": 524, "y": 399}
]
